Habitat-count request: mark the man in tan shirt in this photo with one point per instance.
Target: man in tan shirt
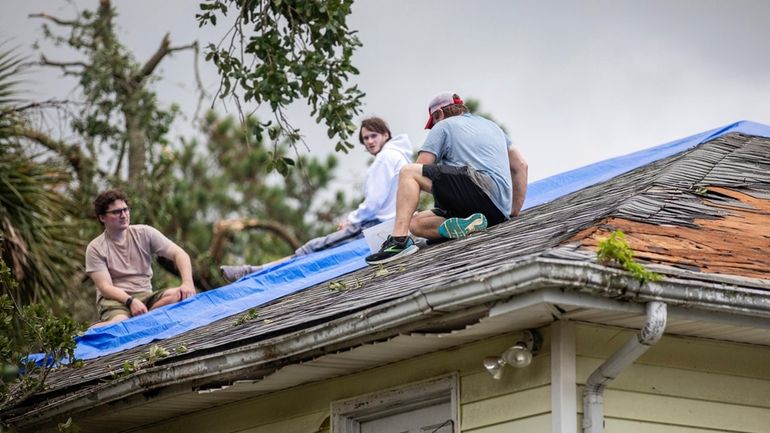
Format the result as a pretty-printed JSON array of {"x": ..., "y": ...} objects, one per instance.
[{"x": 119, "y": 261}]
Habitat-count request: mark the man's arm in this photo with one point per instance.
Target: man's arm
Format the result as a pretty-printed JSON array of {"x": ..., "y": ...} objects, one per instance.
[
  {"x": 425, "y": 158},
  {"x": 519, "y": 170},
  {"x": 182, "y": 260},
  {"x": 103, "y": 282}
]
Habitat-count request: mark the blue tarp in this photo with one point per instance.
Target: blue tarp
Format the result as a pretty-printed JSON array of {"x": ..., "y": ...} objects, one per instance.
[
  {"x": 253, "y": 290},
  {"x": 551, "y": 188},
  {"x": 302, "y": 272}
]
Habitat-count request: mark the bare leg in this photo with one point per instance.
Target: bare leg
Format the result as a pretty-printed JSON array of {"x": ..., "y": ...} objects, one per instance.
[
  {"x": 116, "y": 319},
  {"x": 169, "y": 297},
  {"x": 410, "y": 183},
  {"x": 425, "y": 225}
]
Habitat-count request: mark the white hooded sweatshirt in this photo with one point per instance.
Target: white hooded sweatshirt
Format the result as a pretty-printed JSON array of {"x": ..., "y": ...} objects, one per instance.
[{"x": 381, "y": 181}]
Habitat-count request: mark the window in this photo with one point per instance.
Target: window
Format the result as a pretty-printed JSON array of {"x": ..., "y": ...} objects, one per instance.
[{"x": 424, "y": 407}]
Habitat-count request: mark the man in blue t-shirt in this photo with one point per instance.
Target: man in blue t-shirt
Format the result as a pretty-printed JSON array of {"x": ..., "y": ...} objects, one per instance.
[{"x": 476, "y": 177}]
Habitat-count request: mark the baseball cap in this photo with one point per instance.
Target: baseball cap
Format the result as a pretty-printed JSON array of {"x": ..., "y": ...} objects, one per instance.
[{"x": 440, "y": 101}]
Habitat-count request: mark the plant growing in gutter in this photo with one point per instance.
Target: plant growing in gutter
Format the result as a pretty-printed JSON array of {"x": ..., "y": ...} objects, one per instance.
[
  {"x": 154, "y": 354},
  {"x": 616, "y": 249}
]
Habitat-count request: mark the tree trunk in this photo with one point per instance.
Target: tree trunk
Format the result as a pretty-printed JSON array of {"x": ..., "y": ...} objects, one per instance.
[{"x": 136, "y": 145}]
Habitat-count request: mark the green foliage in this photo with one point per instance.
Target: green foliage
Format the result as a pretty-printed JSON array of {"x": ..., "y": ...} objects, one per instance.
[
  {"x": 154, "y": 354},
  {"x": 10, "y": 68},
  {"x": 40, "y": 237},
  {"x": 616, "y": 249},
  {"x": 25, "y": 330},
  {"x": 281, "y": 51},
  {"x": 248, "y": 316},
  {"x": 121, "y": 115},
  {"x": 381, "y": 272},
  {"x": 231, "y": 179},
  {"x": 39, "y": 234},
  {"x": 182, "y": 189},
  {"x": 700, "y": 190}
]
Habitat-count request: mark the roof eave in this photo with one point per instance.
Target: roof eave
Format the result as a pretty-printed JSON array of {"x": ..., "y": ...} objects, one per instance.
[{"x": 726, "y": 296}]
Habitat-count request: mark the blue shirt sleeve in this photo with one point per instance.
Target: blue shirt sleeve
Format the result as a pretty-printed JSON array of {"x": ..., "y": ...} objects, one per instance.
[{"x": 435, "y": 142}]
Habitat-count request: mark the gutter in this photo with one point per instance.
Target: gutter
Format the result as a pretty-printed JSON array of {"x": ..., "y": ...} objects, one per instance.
[
  {"x": 511, "y": 280},
  {"x": 593, "y": 393}
]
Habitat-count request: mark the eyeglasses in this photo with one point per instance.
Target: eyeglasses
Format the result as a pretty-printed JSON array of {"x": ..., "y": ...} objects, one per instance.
[{"x": 118, "y": 212}]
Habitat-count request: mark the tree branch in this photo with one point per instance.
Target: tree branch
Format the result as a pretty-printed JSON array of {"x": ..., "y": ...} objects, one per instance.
[
  {"x": 64, "y": 65},
  {"x": 58, "y": 21},
  {"x": 55, "y": 103},
  {"x": 223, "y": 229},
  {"x": 163, "y": 50},
  {"x": 70, "y": 152},
  {"x": 201, "y": 90}
]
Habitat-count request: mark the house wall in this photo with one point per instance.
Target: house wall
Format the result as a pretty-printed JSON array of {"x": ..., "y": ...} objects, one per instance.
[
  {"x": 519, "y": 402},
  {"x": 680, "y": 385}
]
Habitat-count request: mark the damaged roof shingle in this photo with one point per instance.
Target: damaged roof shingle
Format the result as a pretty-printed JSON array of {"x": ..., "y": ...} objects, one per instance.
[{"x": 705, "y": 209}]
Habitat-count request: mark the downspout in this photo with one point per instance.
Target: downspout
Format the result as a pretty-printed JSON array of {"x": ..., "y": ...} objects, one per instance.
[{"x": 593, "y": 393}]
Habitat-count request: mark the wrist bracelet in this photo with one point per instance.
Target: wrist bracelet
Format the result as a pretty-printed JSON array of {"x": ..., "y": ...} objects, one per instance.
[{"x": 128, "y": 302}]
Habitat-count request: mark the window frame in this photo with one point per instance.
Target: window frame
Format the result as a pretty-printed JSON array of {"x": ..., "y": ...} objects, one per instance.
[{"x": 347, "y": 415}]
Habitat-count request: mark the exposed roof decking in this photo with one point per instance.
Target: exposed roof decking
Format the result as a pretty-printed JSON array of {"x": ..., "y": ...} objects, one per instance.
[{"x": 699, "y": 216}]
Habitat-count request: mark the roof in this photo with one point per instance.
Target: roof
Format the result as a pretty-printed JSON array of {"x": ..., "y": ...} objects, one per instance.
[{"x": 696, "y": 216}]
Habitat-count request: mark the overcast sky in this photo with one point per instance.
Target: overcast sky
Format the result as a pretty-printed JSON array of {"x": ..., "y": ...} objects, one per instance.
[{"x": 574, "y": 82}]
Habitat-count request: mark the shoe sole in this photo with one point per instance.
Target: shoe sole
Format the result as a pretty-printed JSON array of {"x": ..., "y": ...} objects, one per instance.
[
  {"x": 454, "y": 228},
  {"x": 406, "y": 252},
  {"x": 232, "y": 276}
]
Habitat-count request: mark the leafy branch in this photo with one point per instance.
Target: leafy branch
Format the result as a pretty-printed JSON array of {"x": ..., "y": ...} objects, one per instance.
[
  {"x": 154, "y": 354},
  {"x": 616, "y": 249},
  {"x": 280, "y": 51},
  {"x": 28, "y": 329}
]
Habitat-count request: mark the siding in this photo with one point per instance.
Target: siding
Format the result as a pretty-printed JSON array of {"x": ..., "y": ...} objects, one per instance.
[
  {"x": 520, "y": 401},
  {"x": 681, "y": 385}
]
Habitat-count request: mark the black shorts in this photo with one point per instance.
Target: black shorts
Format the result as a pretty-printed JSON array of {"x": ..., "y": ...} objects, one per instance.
[{"x": 456, "y": 195}]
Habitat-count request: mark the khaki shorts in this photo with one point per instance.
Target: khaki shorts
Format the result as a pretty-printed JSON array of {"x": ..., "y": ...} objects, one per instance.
[{"x": 109, "y": 308}]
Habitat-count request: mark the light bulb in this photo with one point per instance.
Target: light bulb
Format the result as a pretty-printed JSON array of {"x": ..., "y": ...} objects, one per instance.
[
  {"x": 494, "y": 366},
  {"x": 518, "y": 355}
]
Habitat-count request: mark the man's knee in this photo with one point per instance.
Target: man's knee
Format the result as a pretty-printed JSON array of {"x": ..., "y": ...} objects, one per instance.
[
  {"x": 107, "y": 321},
  {"x": 171, "y": 296},
  {"x": 412, "y": 173},
  {"x": 415, "y": 224},
  {"x": 411, "y": 170}
]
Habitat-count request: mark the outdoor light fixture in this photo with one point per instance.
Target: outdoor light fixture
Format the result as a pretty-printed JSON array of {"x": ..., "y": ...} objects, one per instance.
[{"x": 518, "y": 355}]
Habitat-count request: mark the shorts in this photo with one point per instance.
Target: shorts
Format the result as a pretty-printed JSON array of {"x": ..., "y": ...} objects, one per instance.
[
  {"x": 109, "y": 308},
  {"x": 457, "y": 195}
]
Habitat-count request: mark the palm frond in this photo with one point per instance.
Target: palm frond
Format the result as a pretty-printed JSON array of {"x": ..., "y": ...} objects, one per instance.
[{"x": 38, "y": 230}]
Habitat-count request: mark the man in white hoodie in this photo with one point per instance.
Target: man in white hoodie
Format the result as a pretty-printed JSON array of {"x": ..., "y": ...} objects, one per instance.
[
  {"x": 391, "y": 154},
  {"x": 380, "y": 185}
]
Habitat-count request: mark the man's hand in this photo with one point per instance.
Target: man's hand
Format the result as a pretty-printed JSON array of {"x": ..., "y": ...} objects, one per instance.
[
  {"x": 182, "y": 261},
  {"x": 186, "y": 291},
  {"x": 343, "y": 224},
  {"x": 137, "y": 307}
]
